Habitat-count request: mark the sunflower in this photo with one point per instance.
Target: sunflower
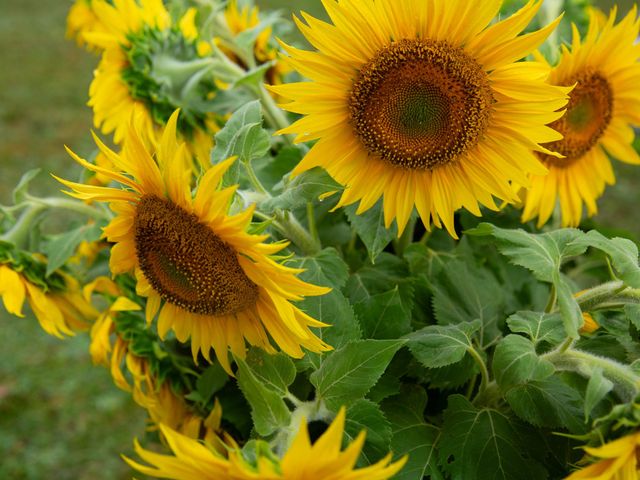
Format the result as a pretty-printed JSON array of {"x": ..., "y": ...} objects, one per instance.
[
  {"x": 619, "y": 460},
  {"x": 60, "y": 311},
  {"x": 142, "y": 51},
  {"x": 602, "y": 108},
  {"x": 422, "y": 103},
  {"x": 81, "y": 20},
  {"x": 323, "y": 459},
  {"x": 206, "y": 276}
]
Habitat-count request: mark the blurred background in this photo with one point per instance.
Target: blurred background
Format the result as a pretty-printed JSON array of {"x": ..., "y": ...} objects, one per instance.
[{"x": 61, "y": 417}]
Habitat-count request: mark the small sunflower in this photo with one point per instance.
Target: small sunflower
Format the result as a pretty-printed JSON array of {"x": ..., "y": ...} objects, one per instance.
[
  {"x": 603, "y": 107},
  {"x": 619, "y": 460},
  {"x": 423, "y": 102},
  {"x": 81, "y": 20},
  {"x": 206, "y": 276},
  {"x": 137, "y": 73},
  {"x": 323, "y": 459},
  {"x": 60, "y": 311}
]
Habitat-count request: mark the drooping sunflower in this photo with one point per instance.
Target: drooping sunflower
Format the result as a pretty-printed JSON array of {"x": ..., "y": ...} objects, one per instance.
[
  {"x": 323, "y": 459},
  {"x": 603, "y": 107},
  {"x": 619, "y": 460},
  {"x": 208, "y": 278},
  {"x": 60, "y": 311},
  {"x": 147, "y": 67},
  {"x": 421, "y": 102}
]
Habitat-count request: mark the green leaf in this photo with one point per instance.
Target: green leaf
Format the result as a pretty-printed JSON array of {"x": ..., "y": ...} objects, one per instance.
[
  {"x": 366, "y": 415},
  {"x": 276, "y": 372},
  {"x": 383, "y": 316},
  {"x": 538, "y": 326},
  {"x": 543, "y": 254},
  {"x": 597, "y": 388},
  {"x": 210, "y": 381},
  {"x": 623, "y": 254},
  {"x": 242, "y": 135},
  {"x": 632, "y": 311},
  {"x": 478, "y": 444},
  {"x": 347, "y": 374},
  {"x": 547, "y": 403},
  {"x": 437, "y": 346},
  {"x": 63, "y": 246},
  {"x": 268, "y": 410},
  {"x": 463, "y": 292},
  {"x": 370, "y": 228},
  {"x": 412, "y": 436},
  {"x": 329, "y": 270},
  {"x": 306, "y": 187},
  {"x": 270, "y": 170},
  {"x": 515, "y": 361}
]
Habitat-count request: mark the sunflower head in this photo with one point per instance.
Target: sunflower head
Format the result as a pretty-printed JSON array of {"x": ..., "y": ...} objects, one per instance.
[
  {"x": 423, "y": 103},
  {"x": 303, "y": 459},
  {"x": 205, "y": 277},
  {"x": 152, "y": 66},
  {"x": 603, "y": 107}
]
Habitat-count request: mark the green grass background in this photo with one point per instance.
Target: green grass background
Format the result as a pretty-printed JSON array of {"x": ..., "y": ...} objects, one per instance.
[{"x": 61, "y": 417}]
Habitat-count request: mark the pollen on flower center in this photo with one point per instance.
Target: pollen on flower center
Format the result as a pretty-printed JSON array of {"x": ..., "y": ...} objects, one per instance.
[
  {"x": 187, "y": 263},
  {"x": 419, "y": 104},
  {"x": 589, "y": 113}
]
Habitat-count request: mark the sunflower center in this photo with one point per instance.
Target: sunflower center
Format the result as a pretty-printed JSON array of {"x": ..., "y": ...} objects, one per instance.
[
  {"x": 188, "y": 264},
  {"x": 588, "y": 115},
  {"x": 419, "y": 104}
]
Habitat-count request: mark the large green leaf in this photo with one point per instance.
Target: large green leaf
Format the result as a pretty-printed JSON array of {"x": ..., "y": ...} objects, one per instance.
[
  {"x": 63, "y": 246},
  {"x": 276, "y": 372},
  {"x": 480, "y": 444},
  {"x": 370, "y": 228},
  {"x": 547, "y": 403},
  {"x": 515, "y": 362},
  {"x": 437, "y": 346},
  {"x": 365, "y": 415},
  {"x": 268, "y": 410},
  {"x": 383, "y": 316},
  {"x": 623, "y": 254},
  {"x": 543, "y": 254},
  {"x": 538, "y": 326},
  {"x": 242, "y": 135},
  {"x": 329, "y": 270},
  {"x": 306, "y": 187},
  {"x": 347, "y": 374}
]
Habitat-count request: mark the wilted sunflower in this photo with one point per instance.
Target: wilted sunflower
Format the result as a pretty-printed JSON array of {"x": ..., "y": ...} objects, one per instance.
[
  {"x": 209, "y": 279},
  {"x": 619, "y": 460},
  {"x": 424, "y": 103},
  {"x": 60, "y": 311},
  {"x": 147, "y": 66},
  {"x": 323, "y": 459},
  {"x": 603, "y": 107}
]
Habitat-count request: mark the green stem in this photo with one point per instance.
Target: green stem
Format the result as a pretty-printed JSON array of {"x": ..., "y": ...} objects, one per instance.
[
  {"x": 484, "y": 373},
  {"x": 626, "y": 381},
  {"x": 294, "y": 231},
  {"x": 593, "y": 297},
  {"x": 253, "y": 178},
  {"x": 553, "y": 297},
  {"x": 311, "y": 221},
  {"x": 74, "y": 206},
  {"x": 406, "y": 238},
  {"x": 20, "y": 231}
]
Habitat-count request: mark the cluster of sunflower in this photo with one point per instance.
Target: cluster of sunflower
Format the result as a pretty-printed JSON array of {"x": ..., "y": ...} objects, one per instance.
[{"x": 271, "y": 327}]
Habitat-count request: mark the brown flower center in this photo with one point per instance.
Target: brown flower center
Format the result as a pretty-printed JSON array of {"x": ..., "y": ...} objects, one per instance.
[
  {"x": 588, "y": 115},
  {"x": 419, "y": 104},
  {"x": 187, "y": 263}
]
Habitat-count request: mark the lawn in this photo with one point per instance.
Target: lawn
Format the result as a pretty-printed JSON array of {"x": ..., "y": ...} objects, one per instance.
[{"x": 61, "y": 417}]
